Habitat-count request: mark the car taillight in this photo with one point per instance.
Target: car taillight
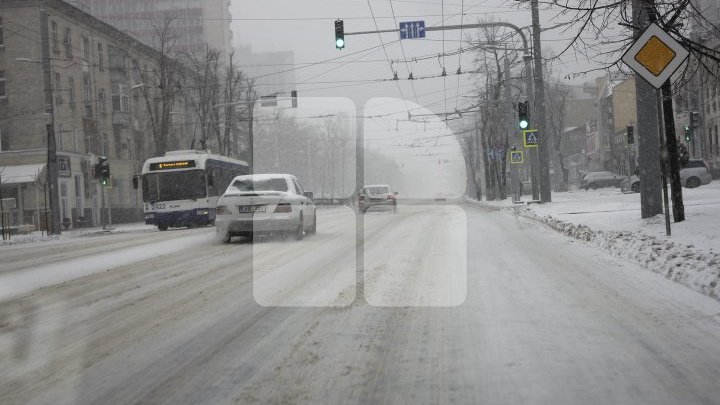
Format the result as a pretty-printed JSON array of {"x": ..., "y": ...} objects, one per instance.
[
  {"x": 222, "y": 210},
  {"x": 391, "y": 197},
  {"x": 283, "y": 208}
]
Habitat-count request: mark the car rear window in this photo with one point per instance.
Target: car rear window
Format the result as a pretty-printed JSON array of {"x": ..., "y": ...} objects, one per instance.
[
  {"x": 695, "y": 163},
  {"x": 259, "y": 185},
  {"x": 377, "y": 190}
]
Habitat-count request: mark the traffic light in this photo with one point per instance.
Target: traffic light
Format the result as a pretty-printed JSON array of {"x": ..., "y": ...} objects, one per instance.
[
  {"x": 293, "y": 96},
  {"x": 630, "y": 134},
  {"x": 523, "y": 115},
  {"x": 339, "y": 34},
  {"x": 102, "y": 170},
  {"x": 694, "y": 120},
  {"x": 688, "y": 133}
]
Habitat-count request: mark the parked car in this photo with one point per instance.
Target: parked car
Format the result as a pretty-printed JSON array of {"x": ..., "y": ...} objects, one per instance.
[
  {"x": 596, "y": 180},
  {"x": 265, "y": 204},
  {"x": 379, "y": 195},
  {"x": 694, "y": 174}
]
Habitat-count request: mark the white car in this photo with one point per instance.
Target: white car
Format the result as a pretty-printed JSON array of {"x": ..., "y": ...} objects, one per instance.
[
  {"x": 694, "y": 174},
  {"x": 265, "y": 204}
]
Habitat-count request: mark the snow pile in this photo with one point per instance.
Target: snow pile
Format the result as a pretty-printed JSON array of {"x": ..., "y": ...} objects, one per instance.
[
  {"x": 78, "y": 232},
  {"x": 683, "y": 263},
  {"x": 32, "y": 237}
]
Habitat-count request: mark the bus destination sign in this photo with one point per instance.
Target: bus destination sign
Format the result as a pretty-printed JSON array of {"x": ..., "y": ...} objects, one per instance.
[{"x": 180, "y": 164}]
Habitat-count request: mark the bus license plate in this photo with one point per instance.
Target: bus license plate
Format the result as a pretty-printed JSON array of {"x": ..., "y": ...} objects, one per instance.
[{"x": 246, "y": 209}]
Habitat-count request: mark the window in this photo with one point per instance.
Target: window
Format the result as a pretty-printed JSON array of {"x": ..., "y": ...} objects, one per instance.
[
  {"x": 120, "y": 98},
  {"x": 101, "y": 57},
  {"x": 71, "y": 92},
  {"x": 3, "y": 142},
  {"x": 54, "y": 34},
  {"x": 105, "y": 145},
  {"x": 2, "y": 37},
  {"x": 58, "y": 84},
  {"x": 59, "y": 137},
  {"x": 86, "y": 48},
  {"x": 118, "y": 142},
  {"x": 87, "y": 90},
  {"x": 75, "y": 140},
  {"x": 269, "y": 184},
  {"x": 67, "y": 41},
  {"x": 298, "y": 187},
  {"x": 3, "y": 89},
  {"x": 101, "y": 101}
]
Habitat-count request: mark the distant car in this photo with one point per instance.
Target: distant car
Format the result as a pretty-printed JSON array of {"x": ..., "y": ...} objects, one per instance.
[
  {"x": 694, "y": 174},
  {"x": 596, "y": 180},
  {"x": 379, "y": 195},
  {"x": 265, "y": 204}
]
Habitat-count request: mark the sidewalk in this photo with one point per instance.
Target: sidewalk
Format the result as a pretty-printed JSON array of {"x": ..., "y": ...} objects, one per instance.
[
  {"x": 611, "y": 220},
  {"x": 38, "y": 236}
]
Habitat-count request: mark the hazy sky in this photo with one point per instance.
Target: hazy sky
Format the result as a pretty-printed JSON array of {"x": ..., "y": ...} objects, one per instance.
[{"x": 307, "y": 28}]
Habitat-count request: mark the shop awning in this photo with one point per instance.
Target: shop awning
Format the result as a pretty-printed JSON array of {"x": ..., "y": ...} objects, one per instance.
[{"x": 20, "y": 173}]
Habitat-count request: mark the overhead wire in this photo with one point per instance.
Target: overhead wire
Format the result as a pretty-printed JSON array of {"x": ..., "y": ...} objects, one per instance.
[
  {"x": 402, "y": 48},
  {"x": 386, "y": 54}
]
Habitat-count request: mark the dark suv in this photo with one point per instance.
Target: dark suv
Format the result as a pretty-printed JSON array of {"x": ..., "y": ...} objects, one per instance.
[{"x": 595, "y": 180}]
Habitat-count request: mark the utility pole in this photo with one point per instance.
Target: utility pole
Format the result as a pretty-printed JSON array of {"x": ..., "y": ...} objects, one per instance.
[
  {"x": 545, "y": 189},
  {"x": 52, "y": 164},
  {"x": 647, "y": 128}
]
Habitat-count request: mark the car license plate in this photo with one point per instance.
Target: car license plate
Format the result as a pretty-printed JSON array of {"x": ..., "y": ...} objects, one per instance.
[{"x": 247, "y": 209}]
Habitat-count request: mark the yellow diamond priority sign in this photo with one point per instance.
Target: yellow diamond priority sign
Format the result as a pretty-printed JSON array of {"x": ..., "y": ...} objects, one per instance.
[{"x": 655, "y": 56}]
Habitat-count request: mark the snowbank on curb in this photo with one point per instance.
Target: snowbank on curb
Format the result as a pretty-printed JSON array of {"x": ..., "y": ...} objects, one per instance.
[{"x": 679, "y": 262}]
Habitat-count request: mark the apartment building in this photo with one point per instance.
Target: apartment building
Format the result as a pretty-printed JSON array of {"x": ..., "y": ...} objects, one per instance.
[{"x": 99, "y": 109}]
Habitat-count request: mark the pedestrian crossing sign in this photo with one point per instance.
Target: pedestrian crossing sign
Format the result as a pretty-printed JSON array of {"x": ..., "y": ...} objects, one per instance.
[
  {"x": 516, "y": 157},
  {"x": 531, "y": 138}
]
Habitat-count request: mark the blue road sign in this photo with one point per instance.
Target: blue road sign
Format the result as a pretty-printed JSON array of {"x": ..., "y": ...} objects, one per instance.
[
  {"x": 516, "y": 157},
  {"x": 531, "y": 138},
  {"x": 412, "y": 29}
]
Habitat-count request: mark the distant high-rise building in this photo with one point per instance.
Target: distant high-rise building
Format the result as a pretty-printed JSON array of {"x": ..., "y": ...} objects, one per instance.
[
  {"x": 194, "y": 22},
  {"x": 273, "y": 71}
]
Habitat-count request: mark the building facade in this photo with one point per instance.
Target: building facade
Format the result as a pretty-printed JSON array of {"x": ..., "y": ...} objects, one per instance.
[{"x": 99, "y": 109}]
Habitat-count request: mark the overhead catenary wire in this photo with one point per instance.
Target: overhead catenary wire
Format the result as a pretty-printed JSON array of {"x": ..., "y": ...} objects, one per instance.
[{"x": 386, "y": 54}]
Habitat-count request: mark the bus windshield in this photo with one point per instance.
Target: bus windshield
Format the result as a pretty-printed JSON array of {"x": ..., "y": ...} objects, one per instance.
[{"x": 170, "y": 186}]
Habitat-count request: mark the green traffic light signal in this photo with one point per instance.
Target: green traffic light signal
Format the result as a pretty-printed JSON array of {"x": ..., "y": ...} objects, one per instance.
[
  {"x": 339, "y": 34},
  {"x": 523, "y": 115}
]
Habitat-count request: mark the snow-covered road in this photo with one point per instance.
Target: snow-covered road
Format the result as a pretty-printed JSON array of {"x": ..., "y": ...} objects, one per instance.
[{"x": 461, "y": 304}]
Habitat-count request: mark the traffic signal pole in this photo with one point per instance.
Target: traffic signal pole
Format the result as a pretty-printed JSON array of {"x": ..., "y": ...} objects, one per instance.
[
  {"x": 528, "y": 58},
  {"x": 543, "y": 151}
]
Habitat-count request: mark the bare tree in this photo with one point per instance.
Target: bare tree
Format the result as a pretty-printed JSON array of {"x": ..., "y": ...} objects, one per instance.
[
  {"x": 205, "y": 92},
  {"x": 593, "y": 27},
  {"x": 162, "y": 84},
  {"x": 232, "y": 92},
  {"x": 556, "y": 102}
]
